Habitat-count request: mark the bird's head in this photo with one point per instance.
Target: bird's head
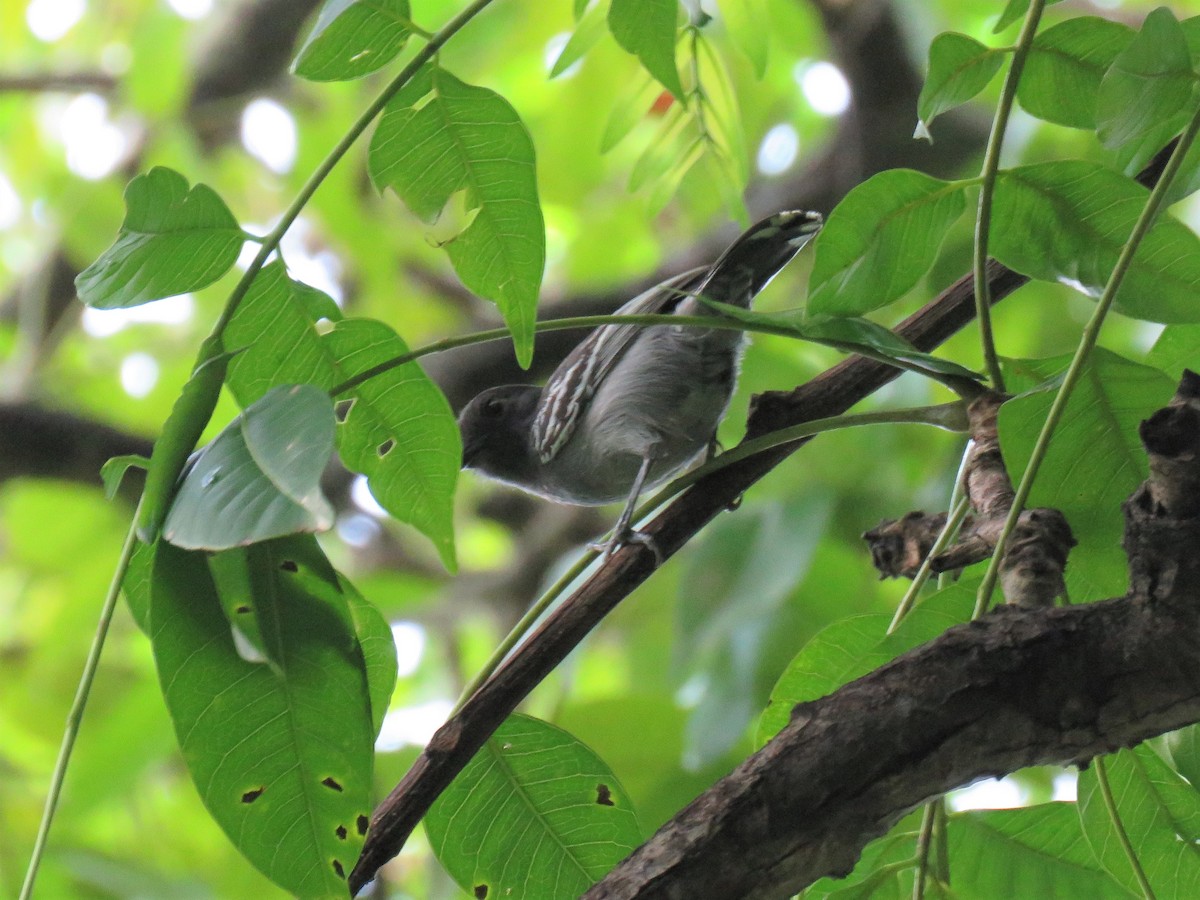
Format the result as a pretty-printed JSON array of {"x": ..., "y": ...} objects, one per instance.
[{"x": 496, "y": 428}]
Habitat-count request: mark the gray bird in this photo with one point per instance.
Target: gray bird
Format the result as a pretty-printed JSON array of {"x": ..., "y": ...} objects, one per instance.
[{"x": 630, "y": 407}]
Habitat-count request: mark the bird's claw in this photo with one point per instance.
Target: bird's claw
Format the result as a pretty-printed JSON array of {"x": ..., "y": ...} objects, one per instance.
[{"x": 610, "y": 546}]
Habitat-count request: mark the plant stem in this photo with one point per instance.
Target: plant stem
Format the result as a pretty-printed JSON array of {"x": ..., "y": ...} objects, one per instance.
[
  {"x": 924, "y": 843},
  {"x": 959, "y": 384},
  {"x": 991, "y": 165},
  {"x": 78, "y": 705},
  {"x": 1087, "y": 341},
  {"x": 1114, "y": 816}
]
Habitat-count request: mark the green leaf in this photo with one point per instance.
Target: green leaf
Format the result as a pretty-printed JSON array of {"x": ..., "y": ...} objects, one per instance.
[
  {"x": 535, "y": 814},
  {"x": 352, "y": 38},
  {"x": 1095, "y": 461},
  {"x": 1183, "y": 747},
  {"x": 848, "y": 334},
  {"x": 880, "y": 240},
  {"x": 1067, "y": 221},
  {"x": 729, "y": 606},
  {"x": 1062, "y": 74},
  {"x": 173, "y": 240},
  {"x": 1038, "y": 851},
  {"x": 281, "y": 752},
  {"x": 647, "y": 29},
  {"x": 749, "y": 25},
  {"x": 439, "y": 137},
  {"x": 378, "y": 650},
  {"x": 183, "y": 428},
  {"x": 588, "y": 30},
  {"x": 1177, "y": 348},
  {"x": 632, "y": 104},
  {"x": 959, "y": 68},
  {"x": 854, "y": 646},
  {"x": 1015, "y": 10},
  {"x": 398, "y": 430},
  {"x": 1160, "y": 812},
  {"x": 274, "y": 325},
  {"x": 137, "y": 584},
  {"x": 112, "y": 473},
  {"x": 260, "y": 477},
  {"x": 1148, "y": 93}
]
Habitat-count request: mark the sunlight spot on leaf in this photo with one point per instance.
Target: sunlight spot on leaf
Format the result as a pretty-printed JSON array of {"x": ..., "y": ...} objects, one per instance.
[
  {"x": 269, "y": 134},
  {"x": 412, "y": 725},
  {"x": 824, "y": 86},
  {"x": 139, "y": 374},
  {"x": 50, "y": 20},
  {"x": 778, "y": 149}
]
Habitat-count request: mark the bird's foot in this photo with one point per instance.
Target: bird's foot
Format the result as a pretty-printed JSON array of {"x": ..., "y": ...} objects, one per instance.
[{"x": 607, "y": 548}]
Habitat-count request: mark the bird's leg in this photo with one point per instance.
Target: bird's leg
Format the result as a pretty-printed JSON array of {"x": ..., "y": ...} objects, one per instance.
[{"x": 621, "y": 533}]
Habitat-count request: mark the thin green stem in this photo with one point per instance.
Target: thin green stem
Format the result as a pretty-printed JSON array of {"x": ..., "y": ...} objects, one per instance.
[
  {"x": 958, "y": 512},
  {"x": 75, "y": 715},
  {"x": 1087, "y": 341},
  {"x": 1114, "y": 816},
  {"x": 950, "y": 415},
  {"x": 522, "y": 627},
  {"x": 271, "y": 240},
  {"x": 924, "y": 843},
  {"x": 961, "y": 385},
  {"x": 991, "y": 165}
]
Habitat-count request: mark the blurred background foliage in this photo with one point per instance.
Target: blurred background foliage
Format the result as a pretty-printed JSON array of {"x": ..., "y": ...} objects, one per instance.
[{"x": 669, "y": 689}]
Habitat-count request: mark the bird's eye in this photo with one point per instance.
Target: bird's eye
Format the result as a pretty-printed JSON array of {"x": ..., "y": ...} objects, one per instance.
[{"x": 493, "y": 408}]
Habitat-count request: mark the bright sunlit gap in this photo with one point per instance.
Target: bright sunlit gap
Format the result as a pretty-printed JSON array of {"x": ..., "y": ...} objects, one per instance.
[
  {"x": 410, "y": 646},
  {"x": 778, "y": 149},
  {"x": 176, "y": 310},
  {"x": 139, "y": 374},
  {"x": 269, "y": 134},
  {"x": 10, "y": 203},
  {"x": 554, "y": 48},
  {"x": 50, "y": 20},
  {"x": 308, "y": 260},
  {"x": 412, "y": 725},
  {"x": 95, "y": 145},
  {"x": 360, "y": 493},
  {"x": 191, "y": 9},
  {"x": 357, "y": 529},
  {"x": 824, "y": 87}
]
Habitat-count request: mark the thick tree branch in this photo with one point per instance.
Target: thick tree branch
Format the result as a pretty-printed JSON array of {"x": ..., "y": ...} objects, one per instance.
[{"x": 1020, "y": 687}]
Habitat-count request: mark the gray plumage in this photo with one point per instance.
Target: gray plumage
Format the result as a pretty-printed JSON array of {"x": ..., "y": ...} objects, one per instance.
[{"x": 630, "y": 406}]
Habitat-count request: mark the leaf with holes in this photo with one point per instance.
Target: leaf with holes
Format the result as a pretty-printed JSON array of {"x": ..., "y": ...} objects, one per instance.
[
  {"x": 1160, "y": 813},
  {"x": 647, "y": 29},
  {"x": 1067, "y": 221},
  {"x": 274, "y": 329},
  {"x": 173, "y": 240},
  {"x": 1095, "y": 461},
  {"x": 535, "y": 814},
  {"x": 880, "y": 240},
  {"x": 438, "y": 138},
  {"x": 280, "y": 750},
  {"x": 850, "y": 648},
  {"x": 260, "y": 477},
  {"x": 352, "y": 38},
  {"x": 959, "y": 68},
  {"x": 398, "y": 430},
  {"x": 1066, "y": 63}
]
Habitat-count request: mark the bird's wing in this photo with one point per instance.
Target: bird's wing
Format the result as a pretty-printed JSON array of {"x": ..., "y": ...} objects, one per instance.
[{"x": 575, "y": 380}]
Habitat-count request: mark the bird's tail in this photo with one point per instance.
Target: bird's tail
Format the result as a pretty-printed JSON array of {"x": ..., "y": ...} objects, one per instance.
[{"x": 752, "y": 260}]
